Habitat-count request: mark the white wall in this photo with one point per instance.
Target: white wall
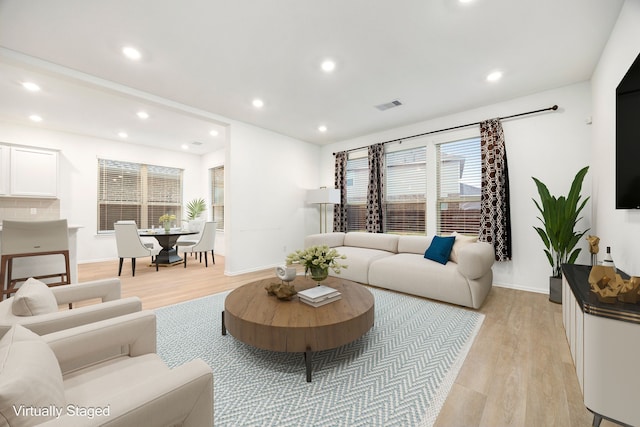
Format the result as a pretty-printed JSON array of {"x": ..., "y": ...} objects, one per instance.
[
  {"x": 267, "y": 176},
  {"x": 551, "y": 146},
  {"x": 619, "y": 229}
]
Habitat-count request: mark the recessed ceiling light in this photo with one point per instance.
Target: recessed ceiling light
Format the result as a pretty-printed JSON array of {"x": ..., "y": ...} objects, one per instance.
[
  {"x": 185, "y": 146},
  {"x": 322, "y": 128},
  {"x": 328, "y": 66},
  {"x": 123, "y": 135},
  {"x": 214, "y": 133},
  {"x": 494, "y": 76},
  {"x": 30, "y": 86},
  {"x": 465, "y": 1},
  {"x": 258, "y": 103},
  {"x": 143, "y": 115},
  {"x": 131, "y": 53},
  {"x": 35, "y": 118}
]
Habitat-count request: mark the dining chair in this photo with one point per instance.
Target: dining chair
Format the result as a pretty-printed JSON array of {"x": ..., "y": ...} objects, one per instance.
[
  {"x": 205, "y": 244},
  {"x": 131, "y": 246},
  {"x": 22, "y": 239}
]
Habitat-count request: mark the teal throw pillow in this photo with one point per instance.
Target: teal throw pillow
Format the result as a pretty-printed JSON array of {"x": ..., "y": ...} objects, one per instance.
[{"x": 440, "y": 249}]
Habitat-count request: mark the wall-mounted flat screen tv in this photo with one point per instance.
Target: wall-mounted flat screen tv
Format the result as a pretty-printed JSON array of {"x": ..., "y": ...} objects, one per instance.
[{"x": 628, "y": 139}]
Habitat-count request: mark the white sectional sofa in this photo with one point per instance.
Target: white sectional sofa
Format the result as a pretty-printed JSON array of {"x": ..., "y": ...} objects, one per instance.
[{"x": 397, "y": 262}]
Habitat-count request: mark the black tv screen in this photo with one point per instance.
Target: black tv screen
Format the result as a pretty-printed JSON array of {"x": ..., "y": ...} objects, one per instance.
[{"x": 628, "y": 139}]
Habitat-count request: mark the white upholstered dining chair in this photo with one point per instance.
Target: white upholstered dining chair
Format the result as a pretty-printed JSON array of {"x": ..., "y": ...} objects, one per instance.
[
  {"x": 205, "y": 244},
  {"x": 131, "y": 246}
]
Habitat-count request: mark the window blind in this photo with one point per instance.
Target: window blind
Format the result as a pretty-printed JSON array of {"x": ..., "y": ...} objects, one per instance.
[
  {"x": 406, "y": 188},
  {"x": 458, "y": 186},
  {"x": 357, "y": 182},
  {"x": 132, "y": 191}
]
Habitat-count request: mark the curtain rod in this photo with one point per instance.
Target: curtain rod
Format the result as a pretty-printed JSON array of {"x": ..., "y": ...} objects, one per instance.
[{"x": 555, "y": 107}]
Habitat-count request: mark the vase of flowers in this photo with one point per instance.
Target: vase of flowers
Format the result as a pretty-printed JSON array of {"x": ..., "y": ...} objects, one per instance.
[
  {"x": 317, "y": 260},
  {"x": 165, "y": 220}
]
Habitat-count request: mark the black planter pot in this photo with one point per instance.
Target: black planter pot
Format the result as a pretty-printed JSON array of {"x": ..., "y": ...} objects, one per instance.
[{"x": 555, "y": 289}]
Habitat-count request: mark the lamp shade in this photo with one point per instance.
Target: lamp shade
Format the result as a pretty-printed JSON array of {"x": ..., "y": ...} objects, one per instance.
[{"x": 324, "y": 195}]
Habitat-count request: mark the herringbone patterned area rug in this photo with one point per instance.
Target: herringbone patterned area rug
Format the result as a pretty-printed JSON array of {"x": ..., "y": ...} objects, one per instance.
[{"x": 398, "y": 374}]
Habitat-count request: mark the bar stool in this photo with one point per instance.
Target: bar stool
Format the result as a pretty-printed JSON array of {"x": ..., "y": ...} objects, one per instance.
[{"x": 22, "y": 239}]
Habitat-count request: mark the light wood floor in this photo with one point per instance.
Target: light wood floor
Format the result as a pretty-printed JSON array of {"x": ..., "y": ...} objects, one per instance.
[{"x": 518, "y": 372}]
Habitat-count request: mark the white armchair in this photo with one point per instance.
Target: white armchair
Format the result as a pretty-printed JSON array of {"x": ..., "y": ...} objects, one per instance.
[
  {"x": 35, "y": 305},
  {"x": 109, "y": 368}
]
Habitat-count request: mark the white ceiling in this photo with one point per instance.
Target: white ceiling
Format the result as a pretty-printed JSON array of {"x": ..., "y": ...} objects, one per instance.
[{"x": 204, "y": 60}]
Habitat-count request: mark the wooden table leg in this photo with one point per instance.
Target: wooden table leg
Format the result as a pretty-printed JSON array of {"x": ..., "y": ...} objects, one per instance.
[
  {"x": 224, "y": 328},
  {"x": 307, "y": 362}
]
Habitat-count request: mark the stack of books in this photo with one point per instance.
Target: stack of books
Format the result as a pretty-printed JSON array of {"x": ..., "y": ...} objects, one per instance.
[{"x": 319, "y": 295}]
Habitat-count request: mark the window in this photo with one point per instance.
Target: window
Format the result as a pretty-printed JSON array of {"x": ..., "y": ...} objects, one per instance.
[
  {"x": 132, "y": 191},
  {"x": 406, "y": 189},
  {"x": 217, "y": 196},
  {"x": 357, "y": 182},
  {"x": 458, "y": 182}
]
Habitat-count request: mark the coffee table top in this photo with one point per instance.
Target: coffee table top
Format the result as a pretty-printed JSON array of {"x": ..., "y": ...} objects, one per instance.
[{"x": 258, "y": 319}]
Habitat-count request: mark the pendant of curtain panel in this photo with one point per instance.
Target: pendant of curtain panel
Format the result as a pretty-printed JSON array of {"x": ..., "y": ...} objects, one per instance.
[
  {"x": 375, "y": 190},
  {"x": 340, "y": 211},
  {"x": 495, "y": 217}
]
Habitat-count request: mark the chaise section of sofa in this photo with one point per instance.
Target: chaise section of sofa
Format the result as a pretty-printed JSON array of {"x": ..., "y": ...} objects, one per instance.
[{"x": 397, "y": 262}]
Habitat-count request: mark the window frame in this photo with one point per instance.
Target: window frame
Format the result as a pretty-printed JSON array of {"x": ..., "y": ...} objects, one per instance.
[{"x": 215, "y": 203}]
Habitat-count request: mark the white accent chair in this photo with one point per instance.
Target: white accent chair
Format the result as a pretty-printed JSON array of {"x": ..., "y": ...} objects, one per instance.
[
  {"x": 205, "y": 244},
  {"x": 131, "y": 246},
  {"x": 36, "y": 306},
  {"x": 109, "y": 368}
]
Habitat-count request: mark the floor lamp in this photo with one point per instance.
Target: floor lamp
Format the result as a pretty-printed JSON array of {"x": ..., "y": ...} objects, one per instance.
[{"x": 323, "y": 197}]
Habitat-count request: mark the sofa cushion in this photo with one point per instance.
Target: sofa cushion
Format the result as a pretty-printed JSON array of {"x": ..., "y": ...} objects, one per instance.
[
  {"x": 461, "y": 241},
  {"x": 413, "y": 244},
  {"x": 440, "y": 249},
  {"x": 330, "y": 239},
  {"x": 29, "y": 376},
  {"x": 380, "y": 241},
  {"x": 34, "y": 298},
  {"x": 358, "y": 261}
]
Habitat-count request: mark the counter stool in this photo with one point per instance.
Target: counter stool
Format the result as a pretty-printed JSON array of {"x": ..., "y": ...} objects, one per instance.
[{"x": 22, "y": 239}]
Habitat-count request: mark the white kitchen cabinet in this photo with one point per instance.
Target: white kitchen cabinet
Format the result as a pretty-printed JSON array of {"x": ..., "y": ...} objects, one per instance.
[
  {"x": 4, "y": 169},
  {"x": 33, "y": 172}
]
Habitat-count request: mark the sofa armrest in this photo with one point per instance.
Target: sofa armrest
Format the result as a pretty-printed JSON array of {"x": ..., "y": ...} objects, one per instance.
[
  {"x": 53, "y": 322},
  {"x": 105, "y": 289},
  {"x": 132, "y": 334},
  {"x": 474, "y": 260},
  {"x": 181, "y": 396},
  {"x": 330, "y": 239}
]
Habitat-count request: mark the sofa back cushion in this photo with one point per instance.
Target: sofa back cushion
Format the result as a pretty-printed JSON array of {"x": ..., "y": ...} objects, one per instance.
[
  {"x": 461, "y": 241},
  {"x": 383, "y": 242},
  {"x": 30, "y": 376},
  {"x": 413, "y": 244},
  {"x": 330, "y": 239}
]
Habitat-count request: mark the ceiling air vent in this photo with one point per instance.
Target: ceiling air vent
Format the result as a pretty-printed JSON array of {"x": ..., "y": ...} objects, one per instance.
[
  {"x": 196, "y": 143},
  {"x": 387, "y": 105}
]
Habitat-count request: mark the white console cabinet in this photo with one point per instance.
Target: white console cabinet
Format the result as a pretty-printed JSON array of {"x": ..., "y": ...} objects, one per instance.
[
  {"x": 28, "y": 172},
  {"x": 605, "y": 344}
]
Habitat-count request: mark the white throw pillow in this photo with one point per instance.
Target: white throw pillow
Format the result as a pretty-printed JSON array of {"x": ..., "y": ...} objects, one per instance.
[
  {"x": 30, "y": 377},
  {"x": 34, "y": 298},
  {"x": 461, "y": 241}
]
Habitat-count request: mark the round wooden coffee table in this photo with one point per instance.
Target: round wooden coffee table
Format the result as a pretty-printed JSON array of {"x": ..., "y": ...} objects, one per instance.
[{"x": 263, "y": 321}]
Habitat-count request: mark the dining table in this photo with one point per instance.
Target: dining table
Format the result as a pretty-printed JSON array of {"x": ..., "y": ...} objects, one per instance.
[{"x": 168, "y": 255}]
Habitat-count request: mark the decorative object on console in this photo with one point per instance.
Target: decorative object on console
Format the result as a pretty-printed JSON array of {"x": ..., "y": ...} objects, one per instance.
[
  {"x": 610, "y": 287},
  {"x": 608, "y": 261},
  {"x": 559, "y": 216},
  {"x": 323, "y": 197},
  {"x": 317, "y": 260},
  {"x": 594, "y": 248}
]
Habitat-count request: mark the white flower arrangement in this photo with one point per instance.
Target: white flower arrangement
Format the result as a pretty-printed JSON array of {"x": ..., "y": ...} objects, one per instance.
[{"x": 319, "y": 256}]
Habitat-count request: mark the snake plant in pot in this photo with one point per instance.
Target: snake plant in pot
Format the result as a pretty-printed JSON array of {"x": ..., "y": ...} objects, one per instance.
[{"x": 559, "y": 216}]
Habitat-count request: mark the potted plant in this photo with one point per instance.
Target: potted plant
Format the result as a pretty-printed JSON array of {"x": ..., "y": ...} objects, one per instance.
[
  {"x": 559, "y": 216},
  {"x": 194, "y": 209}
]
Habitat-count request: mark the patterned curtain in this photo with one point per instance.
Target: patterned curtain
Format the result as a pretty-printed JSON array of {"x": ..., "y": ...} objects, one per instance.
[
  {"x": 375, "y": 193},
  {"x": 340, "y": 211},
  {"x": 495, "y": 219}
]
